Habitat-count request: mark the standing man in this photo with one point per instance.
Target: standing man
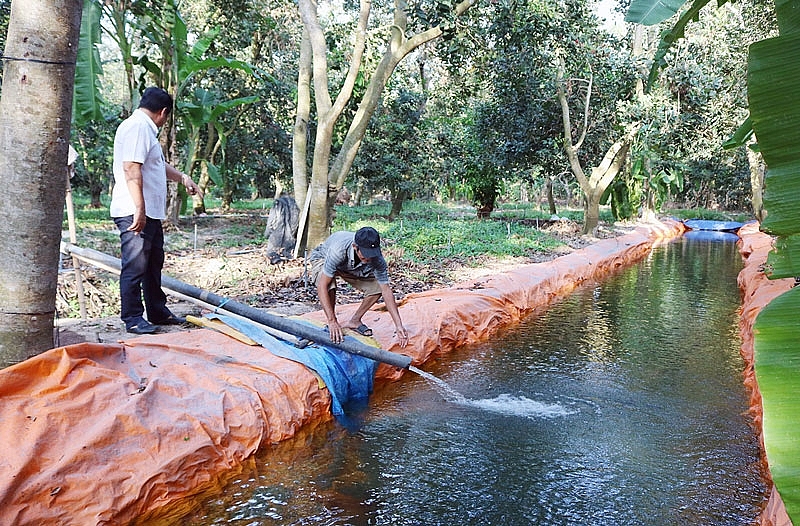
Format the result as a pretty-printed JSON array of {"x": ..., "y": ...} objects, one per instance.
[
  {"x": 357, "y": 259},
  {"x": 138, "y": 204}
]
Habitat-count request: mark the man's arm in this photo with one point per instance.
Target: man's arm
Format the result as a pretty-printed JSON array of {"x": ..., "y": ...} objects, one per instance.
[
  {"x": 173, "y": 174},
  {"x": 133, "y": 179},
  {"x": 324, "y": 295},
  {"x": 394, "y": 312}
]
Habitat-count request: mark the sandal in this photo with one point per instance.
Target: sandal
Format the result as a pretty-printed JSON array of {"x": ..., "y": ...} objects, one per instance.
[{"x": 363, "y": 330}]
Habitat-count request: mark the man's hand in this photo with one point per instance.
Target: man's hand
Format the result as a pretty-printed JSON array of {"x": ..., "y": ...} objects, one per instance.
[
  {"x": 402, "y": 336},
  {"x": 139, "y": 220},
  {"x": 335, "y": 331},
  {"x": 191, "y": 186}
]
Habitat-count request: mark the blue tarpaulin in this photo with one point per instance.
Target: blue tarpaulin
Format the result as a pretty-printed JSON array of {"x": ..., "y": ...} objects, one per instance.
[
  {"x": 348, "y": 377},
  {"x": 707, "y": 224}
]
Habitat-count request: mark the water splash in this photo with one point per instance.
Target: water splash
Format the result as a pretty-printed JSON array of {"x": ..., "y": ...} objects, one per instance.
[{"x": 504, "y": 404}]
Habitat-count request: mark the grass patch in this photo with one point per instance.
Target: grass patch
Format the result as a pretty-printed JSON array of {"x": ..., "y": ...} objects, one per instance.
[{"x": 426, "y": 233}]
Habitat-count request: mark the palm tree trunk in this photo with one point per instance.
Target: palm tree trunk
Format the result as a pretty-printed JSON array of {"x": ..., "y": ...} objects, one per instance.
[{"x": 35, "y": 116}]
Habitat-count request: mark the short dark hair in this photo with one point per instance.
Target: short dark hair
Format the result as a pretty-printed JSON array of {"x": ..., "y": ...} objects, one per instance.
[{"x": 156, "y": 99}]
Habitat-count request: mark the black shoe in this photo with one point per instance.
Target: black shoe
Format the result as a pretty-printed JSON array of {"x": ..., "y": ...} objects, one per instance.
[
  {"x": 142, "y": 327},
  {"x": 171, "y": 320}
]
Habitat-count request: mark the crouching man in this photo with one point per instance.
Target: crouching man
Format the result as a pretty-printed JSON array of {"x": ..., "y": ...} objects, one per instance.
[{"x": 357, "y": 259}]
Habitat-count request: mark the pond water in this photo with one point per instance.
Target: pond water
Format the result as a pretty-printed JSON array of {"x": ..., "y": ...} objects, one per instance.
[{"x": 622, "y": 404}]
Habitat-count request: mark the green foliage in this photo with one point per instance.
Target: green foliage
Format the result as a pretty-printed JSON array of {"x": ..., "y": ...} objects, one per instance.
[
  {"x": 94, "y": 142},
  {"x": 516, "y": 119},
  {"x": 782, "y": 263},
  {"x": 430, "y": 232},
  {"x": 521, "y": 211},
  {"x": 257, "y": 151},
  {"x": 428, "y": 241},
  {"x": 699, "y": 101},
  {"x": 641, "y": 187},
  {"x": 194, "y": 61},
  {"x": 87, "y": 215},
  {"x": 247, "y": 205},
  {"x": 773, "y": 79},
  {"x": 203, "y": 109},
  {"x": 391, "y": 149},
  {"x": 483, "y": 181},
  {"x": 649, "y": 13}
]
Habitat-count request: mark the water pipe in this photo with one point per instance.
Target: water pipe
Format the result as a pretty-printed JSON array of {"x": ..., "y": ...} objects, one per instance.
[{"x": 280, "y": 323}]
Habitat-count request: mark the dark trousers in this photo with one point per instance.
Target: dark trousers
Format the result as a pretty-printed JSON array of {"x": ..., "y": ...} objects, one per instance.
[{"x": 142, "y": 260}]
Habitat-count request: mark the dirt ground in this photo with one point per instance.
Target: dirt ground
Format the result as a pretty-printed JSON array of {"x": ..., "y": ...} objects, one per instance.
[{"x": 195, "y": 255}]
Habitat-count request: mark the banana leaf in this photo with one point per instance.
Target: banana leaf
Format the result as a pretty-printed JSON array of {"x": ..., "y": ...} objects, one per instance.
[
  {"x": 740, "y": 136},
  {"x": 650, "y": 12},
  {"x": 785, "y": 260},
  {"x": 87, "y": 102},
  {"x": 773, "y": 84},
  {"x": 777, "y": 367}
]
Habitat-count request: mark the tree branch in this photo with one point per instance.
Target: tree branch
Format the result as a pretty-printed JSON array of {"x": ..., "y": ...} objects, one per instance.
[{"x": 355, "y": 60}]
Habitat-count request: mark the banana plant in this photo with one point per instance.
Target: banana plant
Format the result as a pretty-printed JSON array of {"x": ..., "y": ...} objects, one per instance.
[
  {"x": 87, "y": 102},
  {"x": 203, "y": 111},
  {"x": 179, "y": 64},
  {"x": 186, "y": 61},
  {"x": 773, "y": 84}
]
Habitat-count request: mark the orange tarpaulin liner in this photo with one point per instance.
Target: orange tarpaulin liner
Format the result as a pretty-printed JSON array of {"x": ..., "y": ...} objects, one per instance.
[{"x": 102, "y": 434}]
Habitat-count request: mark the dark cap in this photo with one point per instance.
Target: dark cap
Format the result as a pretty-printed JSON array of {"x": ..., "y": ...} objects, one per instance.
[{"x": 369, "y": 242}]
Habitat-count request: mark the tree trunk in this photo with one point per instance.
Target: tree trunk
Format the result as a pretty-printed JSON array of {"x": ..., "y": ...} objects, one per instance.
[
  {"x": 551, "y": 202},
  {"x": 359, "y": 194},
  {"x": 35, "y": 116},
  {"x": 300, "y": 135},
  {"x": 648, "y": 212},
  {"x": 591, "y": 211},
  {"x": 398, "y": 198},
  {"x": 204, "y": 181},
  {"x": 603, "y": 174},
  {"x": 95, "y": 198}
]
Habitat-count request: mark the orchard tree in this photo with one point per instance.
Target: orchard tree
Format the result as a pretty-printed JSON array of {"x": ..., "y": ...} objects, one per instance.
[
  {"x": 602, "y": 175},
  {"x": 391, "y": 153},
  {"x": 510, "y": 67},
  {"x": 328, "y": 174}
]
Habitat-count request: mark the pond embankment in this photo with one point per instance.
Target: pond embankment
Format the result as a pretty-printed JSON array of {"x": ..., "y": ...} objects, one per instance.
[{"x": 111, "y": 433}]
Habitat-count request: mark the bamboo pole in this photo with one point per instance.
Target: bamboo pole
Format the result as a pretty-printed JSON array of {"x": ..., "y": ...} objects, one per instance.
[
  {"x": 301, "y": 225},
  {"x": 76, "y": 264}
]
